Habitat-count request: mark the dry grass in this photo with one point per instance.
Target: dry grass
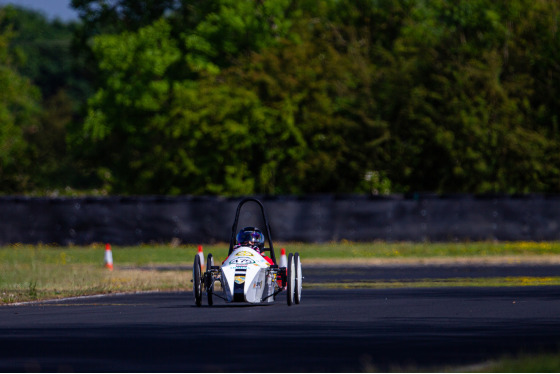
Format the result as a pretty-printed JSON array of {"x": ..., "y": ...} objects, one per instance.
[
  {"x": 446, "y": 282},
  {"x": 55, "y": 281}
]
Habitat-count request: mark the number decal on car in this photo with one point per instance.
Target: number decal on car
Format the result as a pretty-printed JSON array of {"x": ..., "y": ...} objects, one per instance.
[{"x": 242, "y": 261}]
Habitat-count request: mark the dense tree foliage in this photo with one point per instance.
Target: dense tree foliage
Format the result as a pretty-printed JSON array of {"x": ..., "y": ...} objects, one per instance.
[
  {"x": 18, "y": 115},
  {"x": 290, "y": 97},
  {"x": 39, "y": 50}
]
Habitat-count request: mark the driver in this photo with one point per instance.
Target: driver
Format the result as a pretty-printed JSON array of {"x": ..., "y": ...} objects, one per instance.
[{"x": 252, "y": 237}]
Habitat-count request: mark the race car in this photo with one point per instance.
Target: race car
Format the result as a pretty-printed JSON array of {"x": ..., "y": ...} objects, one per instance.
[{"x": 248, "y": 275}]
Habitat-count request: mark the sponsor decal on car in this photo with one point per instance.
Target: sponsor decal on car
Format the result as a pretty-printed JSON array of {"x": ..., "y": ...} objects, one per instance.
[
  {"x": 257, "y": 284},
  {"x": 239, "y": 279},
  {"x": 244, "y": 253}
]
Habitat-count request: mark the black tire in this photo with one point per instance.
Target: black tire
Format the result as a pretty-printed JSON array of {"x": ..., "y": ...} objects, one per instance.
[
  {"x": 299, "y": 279},
  {"x": 197, "y": 281},
  {"x": 290, "y": 272},
  {"x": 210, "y": 279}
]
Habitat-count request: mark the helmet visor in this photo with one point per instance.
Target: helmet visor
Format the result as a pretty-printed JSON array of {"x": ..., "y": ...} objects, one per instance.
[{"x": 250, "y": 237}]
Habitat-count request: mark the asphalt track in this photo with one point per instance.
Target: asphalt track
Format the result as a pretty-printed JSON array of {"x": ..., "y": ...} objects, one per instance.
[
  {"x": 350, "y": 274},
  {"x": 332, "y": 330}
]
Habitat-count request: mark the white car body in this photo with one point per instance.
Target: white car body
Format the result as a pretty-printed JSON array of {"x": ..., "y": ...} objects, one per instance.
[{"x": 246, "y": 277}]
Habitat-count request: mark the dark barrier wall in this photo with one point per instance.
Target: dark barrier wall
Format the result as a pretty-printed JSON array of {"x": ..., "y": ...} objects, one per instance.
[{"x": 135, "y": 220}]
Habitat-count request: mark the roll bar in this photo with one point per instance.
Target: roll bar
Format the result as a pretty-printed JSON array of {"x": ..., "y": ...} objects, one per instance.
[{"x": 235, "y": 222}]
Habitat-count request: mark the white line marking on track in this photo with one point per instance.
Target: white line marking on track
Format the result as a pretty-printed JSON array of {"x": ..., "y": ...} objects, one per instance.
[{"x": 78, "y": 298}]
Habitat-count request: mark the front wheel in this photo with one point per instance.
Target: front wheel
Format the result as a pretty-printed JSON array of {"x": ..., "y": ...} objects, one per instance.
[
  {"x": 299, "y": 279},
  {"x": 291, "y": 278},
  {"x": 197, "y": 281}
]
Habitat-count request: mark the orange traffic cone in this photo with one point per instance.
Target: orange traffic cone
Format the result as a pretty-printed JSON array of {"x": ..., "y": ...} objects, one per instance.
[
  {"x": 201, "y": 255},
  {"x": 108, "y": 257},
  {"x": 283, "y": 264},
  {"x": 283, "y": 258}
]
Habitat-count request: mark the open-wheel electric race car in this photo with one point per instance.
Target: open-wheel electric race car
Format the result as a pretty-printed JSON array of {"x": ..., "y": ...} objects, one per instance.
[{"x": 248, "y": 274}]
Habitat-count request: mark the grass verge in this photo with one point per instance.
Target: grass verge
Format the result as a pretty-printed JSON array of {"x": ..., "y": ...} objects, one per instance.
[
  {"x": 447, "y": 282},
  {"x": 58, "y": 281},
  {"x": 42, "y": 271},
  {"x": 524, "y": 363}
]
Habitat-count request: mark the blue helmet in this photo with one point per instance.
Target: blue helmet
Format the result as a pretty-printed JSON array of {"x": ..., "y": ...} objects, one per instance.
[{"x": 251, "y": 236}]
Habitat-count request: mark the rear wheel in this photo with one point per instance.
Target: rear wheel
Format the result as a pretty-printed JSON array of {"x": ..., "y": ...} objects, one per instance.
[
  {"x": 197, "y": 281},
  {"x": 210, "y": 279},
  {"x": 299, "y": 279},
  {"x": 291, "y": 275}
]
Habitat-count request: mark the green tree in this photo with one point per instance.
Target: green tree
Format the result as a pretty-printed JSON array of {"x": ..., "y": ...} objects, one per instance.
[
  {"x": 122, "y": 114},
  {"x": 462, "y": 123},
  {"x": 40, "y": 51},
  {"x": 238, "y": 97},
  {"x": 324, "y": 135},
  {"x": 136, "y": 112},
  {"x": 18, "y": 115},
  {"x": 42, "y": 48}
]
